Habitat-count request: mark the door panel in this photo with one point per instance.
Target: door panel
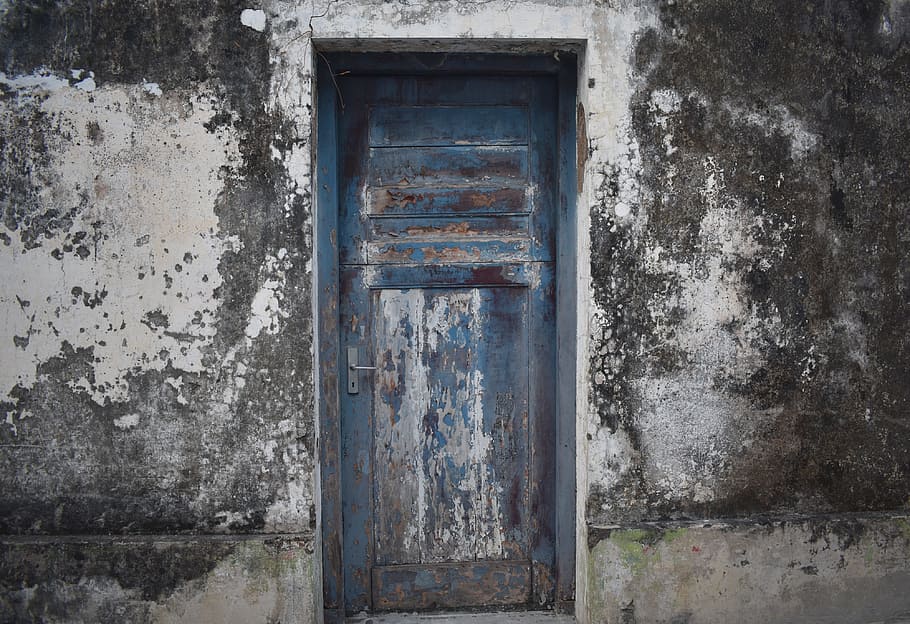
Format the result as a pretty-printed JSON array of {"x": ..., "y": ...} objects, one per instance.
[
  {"x": 448, "y": 125},
  {"x": 451, "y": 424},
  {"x": 505, "y": 165},
  {"x": 451, "y": 585},
  {"x": 477, "y": 200},
  {"x": 446, "y": 206}
]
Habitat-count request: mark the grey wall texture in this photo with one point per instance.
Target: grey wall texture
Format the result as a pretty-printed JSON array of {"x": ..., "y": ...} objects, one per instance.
[{"x": 745, "y": 441}]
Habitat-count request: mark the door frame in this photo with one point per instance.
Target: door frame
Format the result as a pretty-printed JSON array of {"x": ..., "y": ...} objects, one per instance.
[{"x": 563, "y": 64}]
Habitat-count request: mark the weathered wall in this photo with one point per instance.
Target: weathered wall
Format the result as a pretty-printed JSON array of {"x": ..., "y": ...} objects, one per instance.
[
  {"x": 754, "y": 291},
  {"x": 162, "y": 580},
  {"x": 832, "y": 570},
  {"x": 156, "y": 356},
  {"x": 743, "y": 279},
  {"x": 750, "y": 273}
]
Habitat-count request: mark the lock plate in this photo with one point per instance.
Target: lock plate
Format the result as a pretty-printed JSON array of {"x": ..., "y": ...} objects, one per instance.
[{"x": 353, "y": 373}]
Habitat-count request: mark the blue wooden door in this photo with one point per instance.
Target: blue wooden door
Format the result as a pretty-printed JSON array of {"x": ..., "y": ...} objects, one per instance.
[{"x": 446, "y": 245}]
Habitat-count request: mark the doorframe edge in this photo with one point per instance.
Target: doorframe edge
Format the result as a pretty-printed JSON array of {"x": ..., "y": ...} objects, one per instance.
[{"x": 329, "y": 578}]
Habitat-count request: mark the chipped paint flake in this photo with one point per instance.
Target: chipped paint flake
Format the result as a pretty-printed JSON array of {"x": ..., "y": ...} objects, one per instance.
[
  {"x": 253, "y": 18},
  {"x": 266, "y": 310},
  {"x": 40, "y": 80},
  {"x": 127, "y": 422},
  {"x": 152, "y": 88}
]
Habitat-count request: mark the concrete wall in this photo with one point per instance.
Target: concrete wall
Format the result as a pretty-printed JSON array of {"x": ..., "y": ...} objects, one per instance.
[
  {"x": 156, "y": 353},
  {"x": 744, "y": 278}
]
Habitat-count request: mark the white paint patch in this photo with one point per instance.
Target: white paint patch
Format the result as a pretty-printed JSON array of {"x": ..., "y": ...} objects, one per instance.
[
  {"x": 253, "y": 18},
  {"x": 108, "y": 301},
  {"x": 11, "y": 423},
  {"x": 152, "y": 88},
  {"x": 614, "y": 457},
  {"x": 40, "y": 80},
  {"x": 687, "y": 428},
  {"x": 265, "y": 310},
  {"x": 233, "y": 243},
  {"x": 663, "y": 103},
  {"x": 177, "y": 384},
  {"x": 87, "y": 84},
  {"x": 127, "y": 422},
  {"x": 293, "y": 504}
]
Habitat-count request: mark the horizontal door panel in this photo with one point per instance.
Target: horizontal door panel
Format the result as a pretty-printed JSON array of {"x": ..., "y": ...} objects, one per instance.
[
  {"x": 392, "y": 201},
  {"x": 434, "y": 91},
  {"x": 446, "y": 586},
  {"x": 443, "y": 275},
  {"x": 448, "y": 252},
  {"x": 448, "y": 125},
  {"x": 482, "y": 90},
  {"x": 434, "y": 166},
  {"x": 454, "y": 229}
]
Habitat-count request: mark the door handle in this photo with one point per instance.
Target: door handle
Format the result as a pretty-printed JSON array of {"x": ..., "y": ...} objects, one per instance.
[{"x": 353, "y": 367}]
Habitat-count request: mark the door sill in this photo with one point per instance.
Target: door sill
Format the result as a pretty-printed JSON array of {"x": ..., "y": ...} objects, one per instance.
[{"x": 489, "y": 617}]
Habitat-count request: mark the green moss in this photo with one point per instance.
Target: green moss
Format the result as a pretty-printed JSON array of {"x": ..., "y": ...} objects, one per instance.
[
  {"x": 597, "y": 591},
  {"x": 674, "y": 534},
  {"x": 636, "y": 548},
  {"x": 904, "y": 526},
  {"x": 273, "y": 559}
]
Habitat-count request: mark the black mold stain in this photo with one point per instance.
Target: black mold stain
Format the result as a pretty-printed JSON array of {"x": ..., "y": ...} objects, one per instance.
[
  {"x": 94, "y": 132},
  {"x": 151, "y": 570},
  {"x": 120, "y": 41}
]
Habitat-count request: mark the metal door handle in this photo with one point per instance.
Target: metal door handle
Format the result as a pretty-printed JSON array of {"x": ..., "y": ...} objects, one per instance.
[{"x": 353, "y": 381}]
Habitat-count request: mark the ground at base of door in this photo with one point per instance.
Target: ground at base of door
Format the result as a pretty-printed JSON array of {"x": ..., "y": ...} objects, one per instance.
[{"x": 499, "y": 617}]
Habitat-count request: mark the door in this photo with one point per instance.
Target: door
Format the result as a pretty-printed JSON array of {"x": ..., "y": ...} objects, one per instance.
[{"x": 447, "y": 194}]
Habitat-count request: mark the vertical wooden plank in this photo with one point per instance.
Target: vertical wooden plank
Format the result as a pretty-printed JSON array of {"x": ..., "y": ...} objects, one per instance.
[
  {"x": 326, "y": 339},
  {"x": 354, "y": 331},
  {"x": 504, "y": 349},
  {"x": 545, "y": 413},
  {"x": 353, "y": 159},
  {"x": 544, "y": 176},
  {"x": 567, "y": 332},
  {"x": 356, "y": 440},
  {"x": 544, "y": 417},
  {"x": 400, "y": 402}
]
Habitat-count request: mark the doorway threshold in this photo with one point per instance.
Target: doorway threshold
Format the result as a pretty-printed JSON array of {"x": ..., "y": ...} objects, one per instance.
[{"x": 492, "y": 617}]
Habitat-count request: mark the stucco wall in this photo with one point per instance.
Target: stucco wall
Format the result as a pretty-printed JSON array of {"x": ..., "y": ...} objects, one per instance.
[
  {"x": 743, "y": 218},
  {"x": 156, "y": 354}
]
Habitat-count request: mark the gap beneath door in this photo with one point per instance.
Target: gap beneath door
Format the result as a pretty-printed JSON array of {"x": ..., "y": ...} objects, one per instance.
[{"x": 498, "y": 617}]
